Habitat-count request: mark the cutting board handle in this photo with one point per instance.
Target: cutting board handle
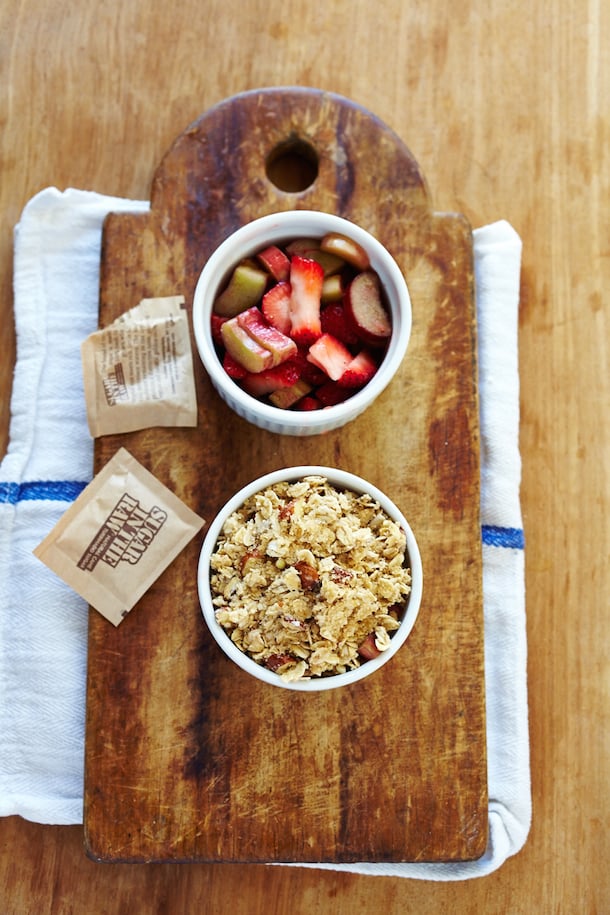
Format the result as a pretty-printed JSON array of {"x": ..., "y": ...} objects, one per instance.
[{"x": 295, "y": 148}]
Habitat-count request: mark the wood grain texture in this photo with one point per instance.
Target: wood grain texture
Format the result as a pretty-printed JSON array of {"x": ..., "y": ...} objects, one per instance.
[
  {"x": 508, "y": 115},
  {"x": 211, "y": 765}
]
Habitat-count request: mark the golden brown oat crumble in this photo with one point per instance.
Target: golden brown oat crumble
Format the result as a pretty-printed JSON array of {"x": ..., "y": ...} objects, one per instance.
[{"x": 304, "y": 572}]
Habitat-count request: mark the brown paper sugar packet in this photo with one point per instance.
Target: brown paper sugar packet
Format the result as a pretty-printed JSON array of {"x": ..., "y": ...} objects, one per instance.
[
  {"x": 119, "y": 535},
  {"x": 138, "y": 371}
]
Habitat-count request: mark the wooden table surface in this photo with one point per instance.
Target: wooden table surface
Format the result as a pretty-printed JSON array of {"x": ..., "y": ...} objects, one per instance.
[{"x": 505, "y": 107}]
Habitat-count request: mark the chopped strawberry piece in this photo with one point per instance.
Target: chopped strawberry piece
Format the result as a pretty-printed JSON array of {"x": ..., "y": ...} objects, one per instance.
[
  {"x": 232, "y": 367},
  {"x": 333, "y": 321},
  {"x": 276, "y": 307},
  {"x": 360, "y": 371},
  {"x": 259, "y": 384},
  {"x": 331, "y": 355},
  {"x": 309, "y": 403},
  {"x": 217, "y": 322},
  {"x": 307, "y": 370},
  {"x": 331, "y": 393},
  {"x": 306, "y": 278}
]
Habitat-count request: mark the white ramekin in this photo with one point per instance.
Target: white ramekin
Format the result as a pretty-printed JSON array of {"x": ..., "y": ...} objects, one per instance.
[
  {"x": 255, "y": 236},
  {"x": 342, "y": 480}
]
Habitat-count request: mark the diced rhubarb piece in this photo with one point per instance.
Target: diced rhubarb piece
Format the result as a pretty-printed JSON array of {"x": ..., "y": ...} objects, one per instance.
[
  {"x": 368, "y": 649},
  {"x": 365, "y": 311},
  {"x": 330, "y": 355},
  {"x": 276, "y": 662},
  {"x": 332, "y": 288},
  {"x": 347, "y": 249},
  {"x": 244, "y": 348},
  {"x": 334, "y": 321},
  {"x": 249, "y": 561},
  {"x": 302, "y": 246},
  {"x": 330, "y": 263},
  {"x": 233, "y": 368},
  {"x": 260, "y": 384},
  {"x": 250, "y": 262},
  {"x": 279, "y": 345},
  {"x": 306, "y": 278},
  {"x": 244, "y": 289},
  {"x": 309, "y": 576},
  {"x": 276, "y": 262},
  {"x": 287, "y": 510},
  {"x": 360, "y": 370},
  {"x": 287, "y": 397},
  {"x": 310, "y": 248},
  {"x": 331, "y": 393},
  {"x": 276, "y": 306}
]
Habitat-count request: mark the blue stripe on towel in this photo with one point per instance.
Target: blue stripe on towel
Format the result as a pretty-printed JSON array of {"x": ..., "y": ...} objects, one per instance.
[
  {"x": 511, "y": 537},
  {"x": 68, "y": 490},
  {"x": 41, "y": 490}
]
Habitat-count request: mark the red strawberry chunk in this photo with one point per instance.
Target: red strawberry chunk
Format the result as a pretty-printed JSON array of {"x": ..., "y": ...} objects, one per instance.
[
  {"x": 217, "y": 322},
  {"x": 232, "y": 367},
  {"x": 333, "y": 321},
  {"x": 276, "y": 307},
  {"x": 307, "y": 370},
  {"x": 306, "y": 404},
  {"x": 306, "y": 278},
  {"x": 331, "y": 355},
  {"x": 332, "y": 393},
  {"x": 360, "y": 370},
  {"x": 259, "y": 384}
]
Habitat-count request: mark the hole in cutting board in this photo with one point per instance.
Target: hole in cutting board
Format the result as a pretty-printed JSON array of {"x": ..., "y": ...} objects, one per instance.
[{"x": 292, "y": 165}]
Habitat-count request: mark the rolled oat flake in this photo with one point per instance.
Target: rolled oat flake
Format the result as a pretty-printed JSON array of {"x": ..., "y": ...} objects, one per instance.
[{"x": 119, "y": 535}]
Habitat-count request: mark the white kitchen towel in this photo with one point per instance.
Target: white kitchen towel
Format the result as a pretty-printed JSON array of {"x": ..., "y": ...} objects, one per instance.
[{"x": 43, "y": 623}]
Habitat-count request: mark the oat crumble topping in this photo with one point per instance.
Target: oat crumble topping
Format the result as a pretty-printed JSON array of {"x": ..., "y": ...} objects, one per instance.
[{"x": 303, "y": 573}]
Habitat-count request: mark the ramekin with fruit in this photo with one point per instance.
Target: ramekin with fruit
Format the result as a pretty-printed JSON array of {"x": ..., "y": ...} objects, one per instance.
[{"x": 301, "y": 320}]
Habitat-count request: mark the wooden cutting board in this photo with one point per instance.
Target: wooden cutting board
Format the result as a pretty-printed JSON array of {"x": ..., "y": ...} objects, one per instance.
[{"x": 187, "y": 758}]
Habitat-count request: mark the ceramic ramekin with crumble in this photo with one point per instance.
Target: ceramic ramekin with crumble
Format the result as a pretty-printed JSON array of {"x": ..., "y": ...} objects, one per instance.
[{"x": 310, "y": 578}]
